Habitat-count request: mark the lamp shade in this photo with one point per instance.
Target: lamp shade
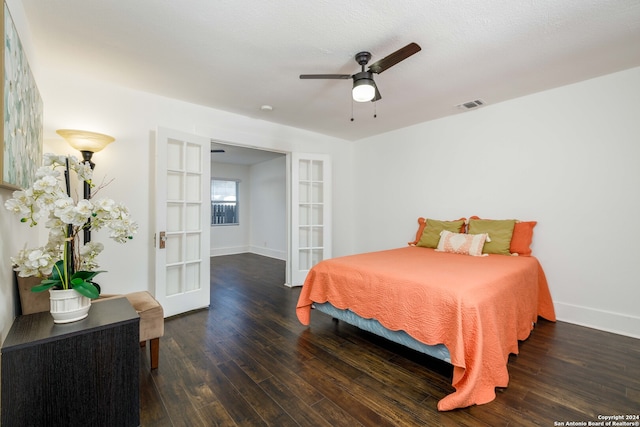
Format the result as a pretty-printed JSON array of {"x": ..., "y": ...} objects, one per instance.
[
  {"x": 83, "y": 140},
  {"x": 363, "y": 87}
]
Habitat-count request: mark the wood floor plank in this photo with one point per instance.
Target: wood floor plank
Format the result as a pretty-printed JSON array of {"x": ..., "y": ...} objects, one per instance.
[
  {"x": 301, "y": 413},
  {"x": 335, "y": 415},
  {"x": 335, "y": 386},
  {"x": 261, "y": 402},
  {"x": 247, "y": 361},
  {"x": 226, "y": 394},
  {"x": 241, "y": 356},
  {"x": 216, "y": 415}
]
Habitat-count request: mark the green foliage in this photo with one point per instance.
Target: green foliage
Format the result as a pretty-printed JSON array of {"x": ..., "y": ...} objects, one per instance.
[{"x": 80, "y": 281}]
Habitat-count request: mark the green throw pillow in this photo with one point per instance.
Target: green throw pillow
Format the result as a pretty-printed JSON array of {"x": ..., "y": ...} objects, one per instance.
[
  {"x": 431, "y": 234},
  {"x": 499, "y": 231}
]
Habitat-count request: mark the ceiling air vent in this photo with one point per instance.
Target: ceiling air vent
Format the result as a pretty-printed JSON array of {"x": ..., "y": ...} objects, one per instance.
[{"x": 470, "y": 105}]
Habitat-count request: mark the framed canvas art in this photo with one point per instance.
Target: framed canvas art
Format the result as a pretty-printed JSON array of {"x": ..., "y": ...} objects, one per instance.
[{"x": 22, "y": 124}]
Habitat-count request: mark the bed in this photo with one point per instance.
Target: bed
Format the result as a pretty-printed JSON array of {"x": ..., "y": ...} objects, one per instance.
[{"x": 470, "y": 311}]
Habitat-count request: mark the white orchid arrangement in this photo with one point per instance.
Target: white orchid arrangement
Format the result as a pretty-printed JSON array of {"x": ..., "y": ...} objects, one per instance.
[{"x": 64, "y": 262}]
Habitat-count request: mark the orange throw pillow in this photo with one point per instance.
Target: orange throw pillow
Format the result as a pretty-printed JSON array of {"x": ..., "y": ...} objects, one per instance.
[
  {"x": 421, "y": 224},
  {"x": 522, "y": 237}
]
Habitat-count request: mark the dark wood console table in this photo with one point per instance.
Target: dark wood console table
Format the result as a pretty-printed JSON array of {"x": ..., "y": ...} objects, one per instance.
[{"x": 84, "y": 373}]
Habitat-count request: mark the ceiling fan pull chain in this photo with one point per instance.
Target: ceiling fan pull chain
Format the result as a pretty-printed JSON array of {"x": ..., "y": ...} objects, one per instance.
[
  {"x": 352, "y": 109},
  {"x": 375, "y": 109}
]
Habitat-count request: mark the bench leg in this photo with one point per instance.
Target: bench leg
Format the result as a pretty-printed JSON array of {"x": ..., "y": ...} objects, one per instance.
[{"x": 154, "y": 352}]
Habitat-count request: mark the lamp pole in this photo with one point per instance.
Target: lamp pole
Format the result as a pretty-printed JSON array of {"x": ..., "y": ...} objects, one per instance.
[{"x": 86, "y": 156}]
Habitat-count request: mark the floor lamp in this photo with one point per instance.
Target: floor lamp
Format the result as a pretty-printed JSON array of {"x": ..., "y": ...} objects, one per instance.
[{"x": 87, "y": 143}]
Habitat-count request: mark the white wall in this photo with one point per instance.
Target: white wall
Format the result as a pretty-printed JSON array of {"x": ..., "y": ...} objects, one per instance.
[
  {"x": 233, "y": 239},
  {"x": 567, "y": 158},
  {"x": 268, "y": 208}
]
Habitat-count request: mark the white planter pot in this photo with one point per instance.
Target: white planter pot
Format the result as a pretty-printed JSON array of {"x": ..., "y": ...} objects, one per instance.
[{"x": 68, "y": 305}]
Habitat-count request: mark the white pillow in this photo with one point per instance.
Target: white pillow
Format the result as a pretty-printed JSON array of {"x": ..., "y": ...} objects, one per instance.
[{"x": 461, "y": 243}]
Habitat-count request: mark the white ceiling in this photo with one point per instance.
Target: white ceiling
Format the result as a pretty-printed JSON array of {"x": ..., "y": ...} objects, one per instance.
[{"x": 237, "y": 55}]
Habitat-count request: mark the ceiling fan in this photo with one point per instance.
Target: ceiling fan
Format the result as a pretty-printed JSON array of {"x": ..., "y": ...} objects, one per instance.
[{"x": 364, "y": 88}]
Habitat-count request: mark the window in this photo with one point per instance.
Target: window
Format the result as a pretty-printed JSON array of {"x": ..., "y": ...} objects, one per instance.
[{"x": 224, "y": 201}]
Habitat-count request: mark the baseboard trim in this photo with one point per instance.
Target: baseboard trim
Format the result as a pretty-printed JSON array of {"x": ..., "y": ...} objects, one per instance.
[
  {"x": 271, "y": 253},
  {"x": 248, "y": 249},
  {"x": 233, "y": 250},
  {"x": 608, "y": 321}
]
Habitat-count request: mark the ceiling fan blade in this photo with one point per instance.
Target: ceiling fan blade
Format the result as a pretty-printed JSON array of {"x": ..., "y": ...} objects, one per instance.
[
  {"x": 325, "y": 76},
  {"x": 217, "y": 151},
  {"x": 392, "y": 59}
]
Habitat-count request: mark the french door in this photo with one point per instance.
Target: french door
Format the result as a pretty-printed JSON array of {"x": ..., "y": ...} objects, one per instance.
[
  {"x": 310, "y": 213},
  {"x": 182, "y": 221}
]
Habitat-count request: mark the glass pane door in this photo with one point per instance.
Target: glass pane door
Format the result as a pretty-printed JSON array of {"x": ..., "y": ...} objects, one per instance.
[{"x": 311, "y": 213}]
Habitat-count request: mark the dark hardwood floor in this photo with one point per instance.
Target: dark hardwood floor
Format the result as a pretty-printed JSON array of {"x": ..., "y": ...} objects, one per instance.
[{"x": 247, "y": 361}]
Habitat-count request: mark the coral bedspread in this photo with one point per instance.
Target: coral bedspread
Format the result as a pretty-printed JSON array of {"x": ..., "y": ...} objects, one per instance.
[{"x": 479, "y": 307}]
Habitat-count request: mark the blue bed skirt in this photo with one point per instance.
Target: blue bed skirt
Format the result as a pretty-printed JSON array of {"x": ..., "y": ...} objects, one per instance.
[{"x": 438, "y": 351}]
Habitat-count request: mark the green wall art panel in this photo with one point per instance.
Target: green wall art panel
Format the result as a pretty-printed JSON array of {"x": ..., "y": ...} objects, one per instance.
[{"x": 22, "y": 120}]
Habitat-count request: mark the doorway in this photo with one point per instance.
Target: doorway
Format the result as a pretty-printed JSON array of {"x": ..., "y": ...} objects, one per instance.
[{"x": 262, "y": 203}]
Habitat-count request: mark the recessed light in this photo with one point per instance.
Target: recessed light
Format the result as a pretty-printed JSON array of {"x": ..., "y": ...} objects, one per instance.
[{"x": 266, "y": 108}]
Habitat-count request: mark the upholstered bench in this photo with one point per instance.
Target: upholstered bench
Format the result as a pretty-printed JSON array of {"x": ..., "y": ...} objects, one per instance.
[{"x": 151, "y": 320}]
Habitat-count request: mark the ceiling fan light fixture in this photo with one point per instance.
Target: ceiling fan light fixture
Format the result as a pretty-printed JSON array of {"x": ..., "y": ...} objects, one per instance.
[{"x": 364, "y": 89}]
